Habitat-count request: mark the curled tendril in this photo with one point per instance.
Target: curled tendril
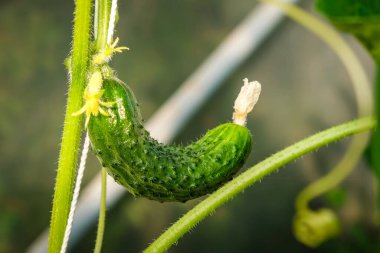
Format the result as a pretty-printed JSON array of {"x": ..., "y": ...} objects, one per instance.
[{"x": 312, "y": 228}]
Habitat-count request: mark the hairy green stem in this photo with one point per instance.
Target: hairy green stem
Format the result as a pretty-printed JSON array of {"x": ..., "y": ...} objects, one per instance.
[
  {"x": 252, "y": 175},
  {"x": 102, "y": 213},
  {"x": 102, "y": 13},
  {"x": 102, "y": 23},
  {"x": 72, "y": 125}
]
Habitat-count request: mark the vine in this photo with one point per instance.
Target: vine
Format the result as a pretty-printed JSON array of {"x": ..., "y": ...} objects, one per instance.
[
  {"x": 254, "y": 174},
  {"x": 83, "y": 67},
  {"x": 102, "y": 213},
  {"x": 72, "y": 125},
  {"x": 314, "y": 227}
]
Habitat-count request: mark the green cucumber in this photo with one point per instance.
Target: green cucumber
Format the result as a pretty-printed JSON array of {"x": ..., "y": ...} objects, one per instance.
[{"x": 157, "y": 171}]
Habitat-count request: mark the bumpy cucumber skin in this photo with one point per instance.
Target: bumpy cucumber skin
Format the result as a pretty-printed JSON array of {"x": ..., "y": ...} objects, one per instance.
[{"x": 157, "y": 171}]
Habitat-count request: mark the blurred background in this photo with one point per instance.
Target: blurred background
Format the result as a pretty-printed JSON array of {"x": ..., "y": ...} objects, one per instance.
[{"x": 305, "y": 89}]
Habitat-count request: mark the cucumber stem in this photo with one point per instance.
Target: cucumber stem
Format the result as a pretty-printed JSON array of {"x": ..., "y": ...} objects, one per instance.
[
  {"x": 74, "y": 201},
  {"x": 72, "y": 126},
  {"x": 254, "y": 174},
  {"x": 102, "y": 213},
  {"x": 245, "y": 101}
]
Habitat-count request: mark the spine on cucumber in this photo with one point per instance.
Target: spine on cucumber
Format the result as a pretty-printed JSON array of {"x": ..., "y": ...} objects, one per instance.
[{"x": 157, "y": 171}]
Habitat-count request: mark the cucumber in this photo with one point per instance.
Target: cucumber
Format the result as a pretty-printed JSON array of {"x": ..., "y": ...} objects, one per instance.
[{"x": 156, "y": 171}]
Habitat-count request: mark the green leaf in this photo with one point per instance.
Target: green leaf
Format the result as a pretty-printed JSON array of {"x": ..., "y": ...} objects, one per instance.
[{"x": 358, "y": 17}]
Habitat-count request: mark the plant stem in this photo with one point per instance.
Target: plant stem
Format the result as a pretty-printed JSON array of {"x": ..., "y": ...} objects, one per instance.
[
  {"x": 336, "y": 175},
  {"x": 78, "y": 182},
  {"x": 102, "y": 213},
  {"x": 72, "y": 125},
  {"x": 102, "y": 24},
  {"x": 255, "y": 173},
  {"x": 101, "y": 39},
  {"x": 362, "y": 93}
]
